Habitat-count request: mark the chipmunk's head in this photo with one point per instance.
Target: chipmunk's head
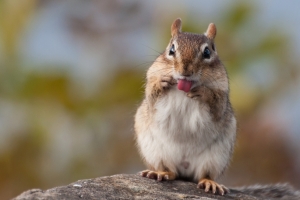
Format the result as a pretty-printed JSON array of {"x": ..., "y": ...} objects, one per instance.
[{"x": 194, "y": 56}]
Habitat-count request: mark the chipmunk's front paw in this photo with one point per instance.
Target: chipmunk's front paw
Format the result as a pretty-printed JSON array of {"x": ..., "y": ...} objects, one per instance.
[
  {"x": 158, "y": 175},
  {"x": 196, "y": 92},
  {"x": 210, "y": 185},
  {"x": 167, "y": 81}
]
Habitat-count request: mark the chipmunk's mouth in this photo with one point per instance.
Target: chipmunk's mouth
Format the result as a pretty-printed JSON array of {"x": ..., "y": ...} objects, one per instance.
[{"x": 184, "y": 84}]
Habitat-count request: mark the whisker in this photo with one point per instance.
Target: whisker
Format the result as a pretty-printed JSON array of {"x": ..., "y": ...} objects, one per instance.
[
  {"x": 147, "y": 62},
  {"x": 152, "y": 49},
  {"x": 161, "y": 70},
  {"x": 209, "y": 77},
  {"x": 150, "y": 55}
]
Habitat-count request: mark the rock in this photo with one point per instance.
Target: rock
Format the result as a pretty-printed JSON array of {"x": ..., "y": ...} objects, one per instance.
[{"x": 126, "y": 186}]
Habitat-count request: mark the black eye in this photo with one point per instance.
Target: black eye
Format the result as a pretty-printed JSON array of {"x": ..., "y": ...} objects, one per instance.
[
  {"x": 206, "y": 53},
  {"x": 172, "y": 50}
]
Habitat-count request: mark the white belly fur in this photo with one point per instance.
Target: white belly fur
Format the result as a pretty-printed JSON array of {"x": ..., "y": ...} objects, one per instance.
[{"x": 183, "y": 137}]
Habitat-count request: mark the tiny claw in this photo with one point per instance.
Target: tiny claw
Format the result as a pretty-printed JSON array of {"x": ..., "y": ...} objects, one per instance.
[
  {"x": 207, "y": 187},
  {"x": 167, "y": 177},
  {"x": 150, "y": 175},
  {"x": 221, "y": 190},
  {"x": 214, "y": 189},
  {"x": 200, "y": 185},
  {"x": 226, "y": 190},
  {"x": 159, "y": 177},
  {"x": 144, "y": 173}
]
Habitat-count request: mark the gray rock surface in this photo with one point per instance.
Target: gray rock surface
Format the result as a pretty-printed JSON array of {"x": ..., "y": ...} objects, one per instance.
[{"x": 127, "y": 186}]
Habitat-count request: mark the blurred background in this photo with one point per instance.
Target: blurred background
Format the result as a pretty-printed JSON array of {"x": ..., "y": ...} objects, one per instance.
[{"x": 72, "y": 75}]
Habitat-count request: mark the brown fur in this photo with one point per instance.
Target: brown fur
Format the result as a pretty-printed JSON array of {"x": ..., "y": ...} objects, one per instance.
[{"x": 210, "y": 89}]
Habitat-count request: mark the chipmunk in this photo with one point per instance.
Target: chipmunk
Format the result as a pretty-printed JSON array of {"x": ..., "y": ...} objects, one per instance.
[{"x": 185, "y": 127}]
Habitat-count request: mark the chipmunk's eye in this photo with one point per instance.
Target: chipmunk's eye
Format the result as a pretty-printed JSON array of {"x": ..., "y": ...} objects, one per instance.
[
  {"x": 206, "y": 53},
  {"x": 172, "y": 50}
]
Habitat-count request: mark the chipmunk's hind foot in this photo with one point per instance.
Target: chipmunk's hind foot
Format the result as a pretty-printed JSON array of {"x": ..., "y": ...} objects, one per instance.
[
  {"x": 158, "y": 175},
  {"x": 210, "y": 185}
]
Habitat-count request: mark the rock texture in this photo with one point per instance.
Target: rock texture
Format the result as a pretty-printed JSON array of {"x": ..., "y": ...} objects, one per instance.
[{"x": 126, "y": 186}]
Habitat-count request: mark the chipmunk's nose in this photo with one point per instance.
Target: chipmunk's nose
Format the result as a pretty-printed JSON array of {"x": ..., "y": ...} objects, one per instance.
[
  {"x": 186, "y": 70},
  {"x": 186, "y": 73}
]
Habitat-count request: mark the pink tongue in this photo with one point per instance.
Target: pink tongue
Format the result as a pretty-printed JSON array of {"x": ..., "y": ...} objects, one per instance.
[{"x": 184, "y": 85}]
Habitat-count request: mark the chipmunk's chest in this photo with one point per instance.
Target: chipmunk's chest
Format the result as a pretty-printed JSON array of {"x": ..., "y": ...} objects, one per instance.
[{"x": 176, "y": 113}]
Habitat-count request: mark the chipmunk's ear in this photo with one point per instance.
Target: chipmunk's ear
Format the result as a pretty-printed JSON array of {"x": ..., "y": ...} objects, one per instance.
[
  {"x": 176, "y": 27},
  {"x": 211, "y": 31}
]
